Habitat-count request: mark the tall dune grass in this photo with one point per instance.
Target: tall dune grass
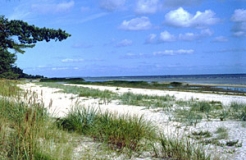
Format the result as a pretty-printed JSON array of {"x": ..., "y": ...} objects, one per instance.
[
  {"x": 26, "y": 130},
  {"x": 118, "y": 131}
]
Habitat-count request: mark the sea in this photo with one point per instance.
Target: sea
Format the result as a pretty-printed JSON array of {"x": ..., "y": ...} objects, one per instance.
[{"x": 225, "y": 81}]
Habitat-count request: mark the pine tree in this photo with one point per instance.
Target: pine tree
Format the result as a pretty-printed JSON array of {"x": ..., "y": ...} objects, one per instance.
[{"x": 16, "y": 35}]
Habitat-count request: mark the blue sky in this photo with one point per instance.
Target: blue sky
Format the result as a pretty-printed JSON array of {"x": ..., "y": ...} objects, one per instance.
[{"x": 134, "y": 37}]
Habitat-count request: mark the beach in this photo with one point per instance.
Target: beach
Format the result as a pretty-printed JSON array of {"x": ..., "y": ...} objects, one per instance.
[{"x": 59, "y": 104}]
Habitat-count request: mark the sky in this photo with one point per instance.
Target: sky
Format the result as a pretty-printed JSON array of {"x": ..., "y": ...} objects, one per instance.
[{"x": 134, "y": 37}]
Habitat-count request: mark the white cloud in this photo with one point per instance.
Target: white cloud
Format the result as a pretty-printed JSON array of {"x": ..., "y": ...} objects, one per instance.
[
  {"x": 147, "y": 6},
  {"x": 19, "y": 13},
  {"x": 182, "y": 18},
  {"x": 142, "y": 23},
  {"x": 93, "y": 17},
  {"x": 167, "y": 37},
  {"x": 151, "y": 38},
  {"x": 239, "y": 17},
  {"x": 45, "y": 8},
  {"x": 206, "y": 32},
  {"x": 178, "y": 3},
  {"x": 64, "y": 6},
  {"x": 220, "y": 39},
  {"x": 59, "y": 68},
  {"x": 111, "y": 5},
  {"x": 174, "y": 52},
  {"x": 124, "y": 43},
  {"x": 188, "y": 36},
  {"x": 133, "y": 56},
  {"x": 72, "y": 60},
  {"x": 239, "y": 33}
]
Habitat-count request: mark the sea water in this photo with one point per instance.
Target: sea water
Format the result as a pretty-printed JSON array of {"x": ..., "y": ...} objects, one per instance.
[
  {"x": 235, "y": 82},
  {"x": 232, "y": 79}
]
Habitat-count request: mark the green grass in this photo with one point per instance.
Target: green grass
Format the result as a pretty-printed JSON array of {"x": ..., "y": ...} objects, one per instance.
[
  {"x": 118, "y": 131},
  {"x": 8, "y": 87},
  {"x": 105, "y": 96},
  {"x": 128, "y": 133},
  {"x": 146, "y": 100},
  {"x": 180, "y": 149},
  {"x": 222, "y": 133},
  {"x": 28, "y": 132},
  {"x": 202, "y": 134},
  {"x": 194, "y": 112},
  {"x": 238, "y": 110}
]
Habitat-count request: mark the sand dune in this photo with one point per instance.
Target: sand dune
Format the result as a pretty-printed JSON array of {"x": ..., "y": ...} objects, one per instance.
[{"x": 59, "y": 104}]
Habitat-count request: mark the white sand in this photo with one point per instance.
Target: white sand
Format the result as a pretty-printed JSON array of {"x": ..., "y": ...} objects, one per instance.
[{"x": 59, "y": 104}]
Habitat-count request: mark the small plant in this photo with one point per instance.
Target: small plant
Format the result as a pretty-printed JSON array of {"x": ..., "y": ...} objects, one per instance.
[
  {"x": 213, "y": 141},
  {"x": 192, "y": 118},
  {"x": 188, "y": 116},
  {"x": 217, "y": 105},
  {"x": 236, "y": 106},
  {"x": 239, "y": 110},
  {"x": 243, "y": 124},
  {"x": 221, "y": 130},
  {"x": 232, "y": 143},
  {"x": 223, "y": 115},
  {"x": 222, "y": 133},
  {"x": 202, "y": 106},
  {"x": 181, "y": 149},
  {"x": 202, "y": 134}
]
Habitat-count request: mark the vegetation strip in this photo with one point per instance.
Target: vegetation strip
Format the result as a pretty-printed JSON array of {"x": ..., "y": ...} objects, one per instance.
[{"x": 27, "y": 132}]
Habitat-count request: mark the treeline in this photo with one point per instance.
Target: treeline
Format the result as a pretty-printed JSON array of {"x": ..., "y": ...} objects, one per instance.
[
  {"x": 65, "y": 80},
  {"x": 17, "y": 73}
]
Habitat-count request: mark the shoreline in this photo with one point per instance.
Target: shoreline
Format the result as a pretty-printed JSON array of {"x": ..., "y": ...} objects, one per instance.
[{"x": 226, "y": 99}]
